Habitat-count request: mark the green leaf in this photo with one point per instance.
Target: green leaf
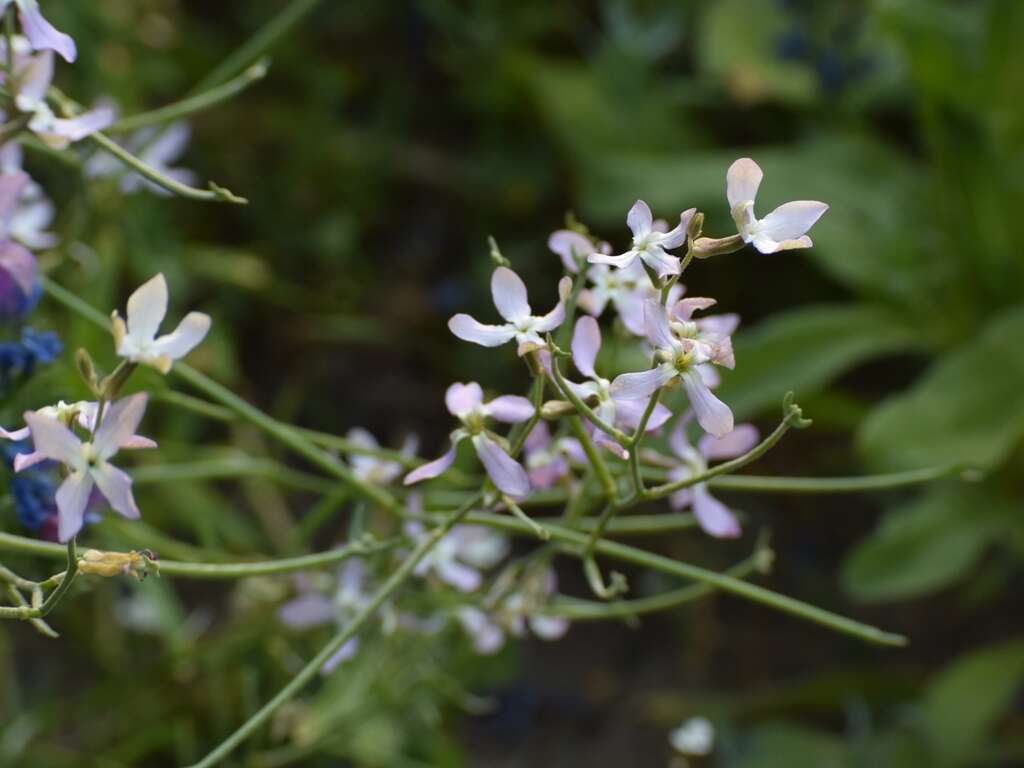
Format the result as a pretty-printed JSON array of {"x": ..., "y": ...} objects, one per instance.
[
  {"x": 805, "y": 349},
  {"x": 964, "y": 703},
  {"x": 928, "y": 544},
  {"x": 969, "y": 407},
  {"x": 785, "y": 745}
]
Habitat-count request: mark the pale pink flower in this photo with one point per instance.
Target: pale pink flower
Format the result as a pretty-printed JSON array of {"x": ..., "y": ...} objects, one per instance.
[
  {"x": 714, "y": 517},
  {"x": 509, "y": 294},
  {"x": 649, "y": 245},
  {"x": 374, "y": 469},
  {"x": 784, "y": 228},
  {"x": 88, "y": 462},
  {"x": 41, "y": 34},
  {"x": 684, "y": 359},
  {"x": 548, "y": 460},
  {"x": 465, "y": 402},
  {"x": 461, "y": 556}
]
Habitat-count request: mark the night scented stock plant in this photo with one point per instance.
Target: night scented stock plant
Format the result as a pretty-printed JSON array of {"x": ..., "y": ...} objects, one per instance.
[{"x": 597, "y": 448}]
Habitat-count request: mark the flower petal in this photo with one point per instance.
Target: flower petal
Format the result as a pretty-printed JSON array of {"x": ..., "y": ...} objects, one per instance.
[
  {"x": 684, "y": 308},
  {"x": 186, "y": 337},
  {"x": 147, "y": 307},
  {"x": 462, "y": 577},
  {"x": 469, "y": 329},
  {"x": 656, "y": 326},
  {"x": 432, "y": 469},
  {"x": 120, "y": 423},
  {"x": 712, "y": 414},
  {"x": 641, "y": 385},
  {"x": 509, "y": 294},
  {"x": 639, "y": 219},
  {"x": 71, "y": 498},
  {"x": 570, "y": 246},
  {"x": 742, "y": 438},
  {"x": 549, "y": 627},
  {"x": 26, "y": 460},
  {"x": 551, "y": 320},
  {"x": 343, "y": 654},
  {"x": 509, "y": 408},
  {"x": 505, "y": 472},
  {"x": 714, "y": 517},
  {"x": 586, "y": 343},
  {"x": 741, "y": 181},
  {"x": 116, "y": 486},
  {"x": 462, "y": 399},
  {"x": 85, "y": 124},
  {"x": 662, "y": 263},
  {"x": 306, "y": 611},
  {"x": 17, "y": 435},
  {"x": 791, "y": 221},
  {"x": 622, "y": 261},
  {"x": 53, "y": 440},
  {"x": 677, "y": 236},
  {"x": 42, "y": 35}
]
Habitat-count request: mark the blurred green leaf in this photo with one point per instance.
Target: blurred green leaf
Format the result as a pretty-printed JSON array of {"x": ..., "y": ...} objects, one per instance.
[
  {"x": 928, "y": 544},
  {"x": 806, "y": 348},
  {"x": 969, "y": 407},
  {"x": 964, "y": 703},
  {"x": 784, "y": 745}
]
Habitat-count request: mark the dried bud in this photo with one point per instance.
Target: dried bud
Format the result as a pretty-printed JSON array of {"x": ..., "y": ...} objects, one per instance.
[
  {"x": 108, "y": 564},
  {"x": 695, "y": 226},
  {"x": 111, "y": 386},
  {"x": 87, "y": 371}
]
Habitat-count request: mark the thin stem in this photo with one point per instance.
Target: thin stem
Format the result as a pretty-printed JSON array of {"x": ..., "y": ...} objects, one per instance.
[
  {"x": 69, "y": 576},
  {"x": 695, "y": 573},
  {"x": 312, "y": 668},
  {"x": 536, "y": 527},
  {"x": 193, "y": 104},
  {"x": 589, "y": 610},
  {"x": 234, "y": 467},
  {"x": 618, "y": 435},
  {"x": 824, "y": 485},
  {"x": 595, "y": 458}
]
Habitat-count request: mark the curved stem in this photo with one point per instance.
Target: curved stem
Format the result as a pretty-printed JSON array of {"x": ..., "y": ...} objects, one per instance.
[
  {"x": 809, "y": 485},
  {"x": 192, "y": 104},
  {"x": 604, "y": 477},
  {"x": 618, "y": 435},
  {"x": 312, "y": 668}
]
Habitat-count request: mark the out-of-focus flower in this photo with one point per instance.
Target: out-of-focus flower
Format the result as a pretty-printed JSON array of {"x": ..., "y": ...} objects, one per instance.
[
  {"x": 571, "y": 247},
  {"x": 19, "y": 359},
  {"x": 312, "y": 608},
  {"x": 714, "y": 517},
  {"x": 26, "y": 221},
  {"x": 374, "y": 469},
  {"x": 32, "y": 75},
  {"x": 695, "y": 737},
  {"x": 603, "y": 395},
  {"x": 683, "y": 359},
  {"x": 19, "y": 278},
  {"x": 509, "y": 294},
  {"x": 459, "y": 557},
  {"x": 784, "y": 228},
  {"x": 465, "y": 402},
  {"x": 156, "y": 147},
  {"x": 549, "y": 460},
  {"x": 649, "y": 245},
  {"x": 32, "y": 492},
  {"x": 88, "y": 463},
  {"x": 41, "y": 34},
  {"x": 137, "y": 340},
  {"x": 522, "y": 609}
]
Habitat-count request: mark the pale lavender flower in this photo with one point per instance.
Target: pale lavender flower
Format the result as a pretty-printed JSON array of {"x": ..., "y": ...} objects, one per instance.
[
  {"x": 649, "y": 245},
  {"x": 695, "y": 737},
  {"x": 25, "y": 222},
  {"x": 374, "y": 469},
  {"x": 312, "y": 608},
  {"x": 548, "y": 460},
  {"x": 137, "y": 341},
  {"x": 522, "y": 609},
  {"x": 570, "y": 247},
  {"x": 84, "y": 414},
  {"x": 41, "y": 34},
  {"x": 602, "y": 395},
  {"x": 712, "y": 332},
  {"x": 683, "y": 359},
  {"x": 459, "y": 558},
  {"x": 88, "y": 463},
  {"x": 714, "y": 517},
  {"x": 627, "y": 289},
  {"x": 784, "y": 228},
  {"x": 32, "y": 75},
  {"x": 509, "y": 294},
  {"x": 465, "y": 402},
  {"x": 156, "y": 147}
]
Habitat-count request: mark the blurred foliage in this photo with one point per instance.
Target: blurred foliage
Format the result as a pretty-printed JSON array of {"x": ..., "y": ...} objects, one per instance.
[{"x": 388, "y": 140}]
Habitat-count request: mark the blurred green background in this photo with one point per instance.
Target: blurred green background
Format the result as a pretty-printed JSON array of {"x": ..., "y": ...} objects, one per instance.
[{"x": 388, "y": 140}]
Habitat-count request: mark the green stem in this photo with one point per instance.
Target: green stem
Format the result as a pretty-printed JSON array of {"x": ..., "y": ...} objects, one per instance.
[
  {"x": 619, "y": 436},
  {"x": 809, "y": 485},
  {"x": 595, "y": 458},
  {"x": 312, "y": 668},
  {"x": 672, "y": 567},
  {"x": 232, "y": 467},
  {"x": 193, "y": 104}
]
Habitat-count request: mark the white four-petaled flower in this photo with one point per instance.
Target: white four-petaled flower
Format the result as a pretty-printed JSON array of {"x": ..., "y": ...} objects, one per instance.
[
  {"x": 88, "y": 462},
  {"x": 784, "y": 228},
  {"x": 137, "y": 341},
  {"x": 650, "y": 245},
  {"x": 466, "y": 403},
  {"x": 509, "y": 294}
]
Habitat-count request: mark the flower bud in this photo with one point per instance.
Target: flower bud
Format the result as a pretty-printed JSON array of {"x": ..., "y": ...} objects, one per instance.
[
  {"x": 706, "y": 247},
  {"x": 87, "y": 370},
  {"x": 111, "y": 386},
  {"x": 108, "y": 564},
  {"x": 553, "y": 410},
  {"x": 696, "y": 225}
]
